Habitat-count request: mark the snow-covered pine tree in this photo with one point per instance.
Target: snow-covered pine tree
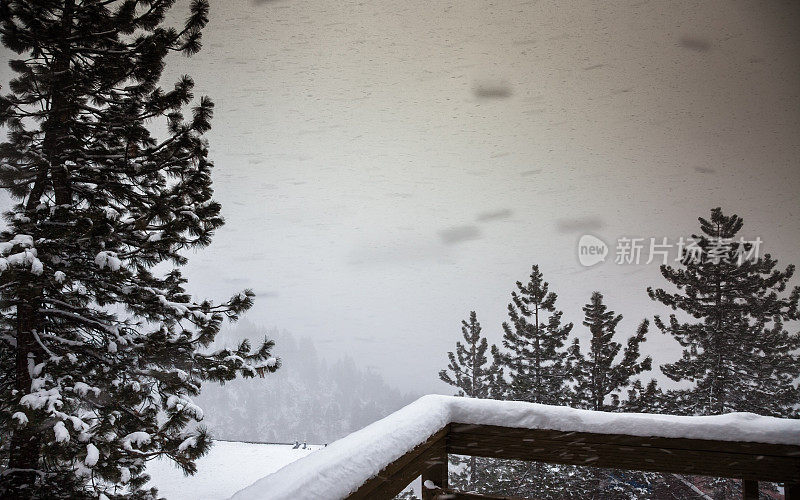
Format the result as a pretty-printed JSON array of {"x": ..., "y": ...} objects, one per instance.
[
  {"x": 597, "y": 379},
  {"x": 535, "y": 362},
  {"x": 736, "y": 348},
  {"x": 469, "y": 369},
  {"x": 100, "y": 352},
  {"x": 471, "y": 373},
  {"x": 534, "y": 337}
]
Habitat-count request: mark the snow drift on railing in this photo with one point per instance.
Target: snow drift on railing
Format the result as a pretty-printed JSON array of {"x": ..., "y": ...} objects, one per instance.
[{"x": 340, "y": 468}]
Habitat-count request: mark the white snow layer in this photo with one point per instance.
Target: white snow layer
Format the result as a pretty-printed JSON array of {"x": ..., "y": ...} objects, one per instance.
[
  {"x": 92, "y": 455},
  {"x": 62, "y": 435},
  {"x": 227, "y": 468},
  {"x": 339, "y": 469}
]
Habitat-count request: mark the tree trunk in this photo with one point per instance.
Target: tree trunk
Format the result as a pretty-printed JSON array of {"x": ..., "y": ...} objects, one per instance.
[
  {"x": 57, "y": 129},
  {"x": 473, "y": 470},
  {"x": 26, "y": 443}
]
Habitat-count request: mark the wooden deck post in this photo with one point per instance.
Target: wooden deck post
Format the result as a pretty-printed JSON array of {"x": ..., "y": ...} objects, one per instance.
[
  {"x": 436, "y": 472},
  {"x": 791, "y": 491},
  {"x": 750, "y": 490}
]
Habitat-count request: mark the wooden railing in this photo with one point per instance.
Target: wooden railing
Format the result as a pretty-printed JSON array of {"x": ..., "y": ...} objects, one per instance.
[
  {"x": 748, "y": 461},
  {"x": 380, "y": 460}
]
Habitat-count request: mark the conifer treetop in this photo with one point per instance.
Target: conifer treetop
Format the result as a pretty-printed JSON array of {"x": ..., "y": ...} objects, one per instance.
[
  {"x": 737, "y": 350},
  {"x": 534, "y": 358},
  {"x": 469, "y": 368}
]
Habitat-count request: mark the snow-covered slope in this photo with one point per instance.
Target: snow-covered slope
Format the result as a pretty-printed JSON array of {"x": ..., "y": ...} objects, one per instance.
[
  {"x": 347, "y": 463},
  {"x": 228, "y": 467}
]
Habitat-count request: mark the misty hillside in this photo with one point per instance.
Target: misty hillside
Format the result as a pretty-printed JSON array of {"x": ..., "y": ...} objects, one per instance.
[{"x": 307, "y": 399}]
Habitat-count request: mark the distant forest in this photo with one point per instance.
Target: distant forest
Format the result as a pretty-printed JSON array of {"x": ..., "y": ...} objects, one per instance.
[{"x": 308, "y": 399}]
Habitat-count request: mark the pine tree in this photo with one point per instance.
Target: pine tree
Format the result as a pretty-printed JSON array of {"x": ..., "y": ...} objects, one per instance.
[
  {"x": 101, "y": 353},
  {"x": 736, "y": 348},
  {"x": 470, "y": 372},
  {"x": 598, "y": 380},
  {"x": 536, "y": 363},
  {"x": 644, "y": 399},
  {"x": 534, "y": 338},
  {"x": 468, "y": 369}
]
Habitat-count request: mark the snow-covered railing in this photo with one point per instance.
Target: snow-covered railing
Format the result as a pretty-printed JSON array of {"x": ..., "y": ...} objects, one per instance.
[{"x": 381, "y": 459}]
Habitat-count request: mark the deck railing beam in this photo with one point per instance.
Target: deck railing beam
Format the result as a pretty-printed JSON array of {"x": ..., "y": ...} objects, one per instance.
[{"x": 750, "y": 462}]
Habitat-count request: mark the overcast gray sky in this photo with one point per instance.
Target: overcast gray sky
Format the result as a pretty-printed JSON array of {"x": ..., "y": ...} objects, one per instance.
[{"x": 385, "y": 167}]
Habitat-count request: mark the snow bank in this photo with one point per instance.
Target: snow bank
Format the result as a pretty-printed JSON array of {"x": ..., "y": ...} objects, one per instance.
[
  {"x": 339, "y": 469},
  {"x": 226, "y": 469}
]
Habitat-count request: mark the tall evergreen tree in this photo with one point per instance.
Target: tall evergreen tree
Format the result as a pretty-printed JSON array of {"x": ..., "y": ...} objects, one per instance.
[
  {"x": 536, "y": 362},
  {"x": 101, "y": 354},
  {"x": 469, "y": 369},
  {"x": 598, "y": 379},
  {"x": 471, "y": 373},
  {"x": 534, "y": 337},
  {"x": 736, "y": 348}
]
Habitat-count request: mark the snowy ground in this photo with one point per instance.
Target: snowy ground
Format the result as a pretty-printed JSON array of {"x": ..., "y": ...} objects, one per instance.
[{"x": 228, "y": 467}]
